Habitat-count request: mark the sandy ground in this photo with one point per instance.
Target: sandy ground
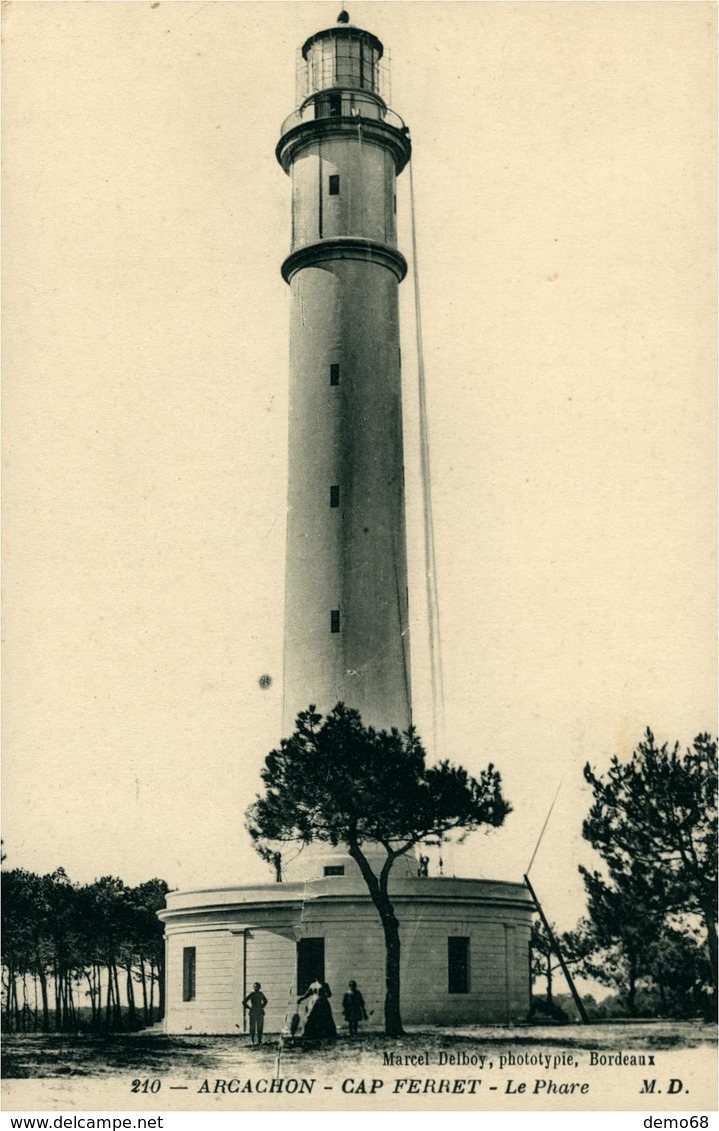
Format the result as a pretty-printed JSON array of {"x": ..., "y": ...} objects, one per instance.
[{"x": 632, "y": 1066}]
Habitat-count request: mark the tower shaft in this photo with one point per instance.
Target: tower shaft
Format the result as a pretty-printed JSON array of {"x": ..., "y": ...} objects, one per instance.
[{"x": 346, "y": 603}]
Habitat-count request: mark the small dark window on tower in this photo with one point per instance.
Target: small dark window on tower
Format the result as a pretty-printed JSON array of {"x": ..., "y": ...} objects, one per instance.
[
  {"x": 334, "y": 496},
  {"x": 335, "y": 620},
  {"x": 334, "y": 184},
  {"x": 395, "y": 202},
  {"x": 189, "y": 956},
  {"x": 334, "y": 869},
  {"x": 334, "y": 374},
  {"x": 457, "y": 965}
]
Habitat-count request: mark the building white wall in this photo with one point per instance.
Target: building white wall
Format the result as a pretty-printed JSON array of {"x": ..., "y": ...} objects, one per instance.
[
  {"x": 218, "y": 980},
  {"x": 495, "y": 918},
  {"x": 271, "y": 960}
]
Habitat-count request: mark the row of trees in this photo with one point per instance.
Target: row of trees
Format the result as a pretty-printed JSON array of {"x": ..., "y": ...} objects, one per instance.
[
  {"x": 80, "y": 955},
  {"x": 650, "y": 930}
]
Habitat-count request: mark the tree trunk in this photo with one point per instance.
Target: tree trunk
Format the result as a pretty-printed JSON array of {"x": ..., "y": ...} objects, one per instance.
[
  {"x": 66, "y": 990},
  {"x": 6, "y": 994},
  {"x": 97, "y": 980},
  {"x": 390, "y": 926},
  {"x": 98, "y": 989},
  {"x": 43, "y": 994},
  {"x": 91, "y": 995},
  {"x": 57, "y": 976},
  {"x": 392, "y": 1017},
  {"x": 71, "y": 1011},
  {"x": 109, "y": 999},
  {"x": 15, "y": 1006},
  {"x": 118, "y": 1006},
  {"x": 711, "y": 943},
  {"x": 143, "y": 982},
  {"x": 550, "y": 999},
  {"x": 632, "y": 995},
  {"x": 131, "y": 1011},
  {"x": 25, "y": 1004},
  {"x": 11, "y": 1010}
]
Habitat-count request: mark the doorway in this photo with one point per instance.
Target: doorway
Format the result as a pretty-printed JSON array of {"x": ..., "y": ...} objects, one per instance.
[{"x": 310, "y": 963}]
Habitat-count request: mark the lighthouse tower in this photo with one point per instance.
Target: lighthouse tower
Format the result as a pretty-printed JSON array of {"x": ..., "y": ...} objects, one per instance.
[
  {"x": 346, "y": 600},
  {"x": 464, "y": 941}
]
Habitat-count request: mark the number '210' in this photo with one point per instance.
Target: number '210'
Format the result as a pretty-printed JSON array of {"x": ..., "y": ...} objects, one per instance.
[{"x": 146, "y": 1085}]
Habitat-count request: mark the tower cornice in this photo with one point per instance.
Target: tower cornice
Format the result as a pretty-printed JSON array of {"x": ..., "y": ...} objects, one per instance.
[
  {"x": 372, "y": 131},
  {"x": 345, "y": 247},
  {"x": 343, "y": 31}
]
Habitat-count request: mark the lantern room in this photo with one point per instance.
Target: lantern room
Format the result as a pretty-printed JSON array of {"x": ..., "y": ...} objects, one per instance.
[{"x": 340, "y": 58}]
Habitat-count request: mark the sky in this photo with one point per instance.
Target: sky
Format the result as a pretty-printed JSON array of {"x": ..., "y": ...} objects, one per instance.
[{"x": 564, "y": 181}]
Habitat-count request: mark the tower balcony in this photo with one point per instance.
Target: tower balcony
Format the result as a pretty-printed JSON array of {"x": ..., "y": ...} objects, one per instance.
[{"x": 333, "y": 113}]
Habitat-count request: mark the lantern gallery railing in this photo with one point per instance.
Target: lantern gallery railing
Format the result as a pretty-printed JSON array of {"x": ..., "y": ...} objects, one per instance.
[{"x": 340, "y": 104}]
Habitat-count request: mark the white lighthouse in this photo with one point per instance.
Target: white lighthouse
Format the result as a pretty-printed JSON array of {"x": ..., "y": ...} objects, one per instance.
[
  {"x": 346, "y": 604},
  {"x": 464, "y": 941}
]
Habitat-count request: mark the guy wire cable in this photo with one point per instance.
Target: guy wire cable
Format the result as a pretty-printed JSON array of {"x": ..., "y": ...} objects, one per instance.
[
  {"x": 435, "y": 647},
  {"x": 546, "y": 822}
]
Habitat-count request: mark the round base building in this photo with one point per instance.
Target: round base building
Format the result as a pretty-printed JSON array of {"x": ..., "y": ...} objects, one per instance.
[{"x": 465, "y": 949}]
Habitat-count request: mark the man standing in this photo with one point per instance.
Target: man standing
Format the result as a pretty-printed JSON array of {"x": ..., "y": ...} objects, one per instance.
[
  {"x": 256, "y": 1002},
  {"x": 353, "y": 1008}
]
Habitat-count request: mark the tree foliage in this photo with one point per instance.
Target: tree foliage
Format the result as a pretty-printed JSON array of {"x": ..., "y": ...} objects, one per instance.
[
  {"x": 654, "y": 823},
  {"x": 335, "y": 780},
  {"x": 622, "y": 923},
  {"x": 339, "y": 782}
]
